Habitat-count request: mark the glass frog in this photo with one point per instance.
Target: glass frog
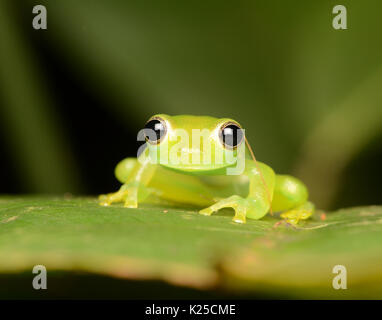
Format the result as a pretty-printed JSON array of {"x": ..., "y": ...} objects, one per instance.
[{"x": 219, "y": 173}]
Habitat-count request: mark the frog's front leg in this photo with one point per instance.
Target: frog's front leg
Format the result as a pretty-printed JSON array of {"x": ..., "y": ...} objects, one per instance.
[
  {"x": 128, "y": 193},
  {"x": 136, "y": 175},
  {"x": 239, "y": 204},
  {"x": 258, "y": 200}
]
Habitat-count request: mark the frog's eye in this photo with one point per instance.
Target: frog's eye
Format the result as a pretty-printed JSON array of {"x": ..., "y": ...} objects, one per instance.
[
  {"x": 231, "y": 135},
  {"x": 155, "y": 130}
]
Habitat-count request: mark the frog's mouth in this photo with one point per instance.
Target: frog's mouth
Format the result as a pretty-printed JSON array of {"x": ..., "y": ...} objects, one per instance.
[
  {"x": 194, "y": 167},
  {"x": 194, "y": 160},
  {"x": 194, "y": 170}
]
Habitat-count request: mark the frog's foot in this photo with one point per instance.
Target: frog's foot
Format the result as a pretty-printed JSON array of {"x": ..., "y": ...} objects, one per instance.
[
  {"x": 108, "y": 199},
  {"x": 239, "y": 204},
  {"x": 301, "y": 212},
  {"x": 129, "y": 197}
]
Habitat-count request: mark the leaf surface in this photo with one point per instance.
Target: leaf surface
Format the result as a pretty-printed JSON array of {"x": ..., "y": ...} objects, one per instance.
[{"x": 184, "y": 248}]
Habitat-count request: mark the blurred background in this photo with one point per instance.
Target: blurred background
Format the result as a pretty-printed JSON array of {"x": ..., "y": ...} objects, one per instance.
[{"x": 73, "y": 97}]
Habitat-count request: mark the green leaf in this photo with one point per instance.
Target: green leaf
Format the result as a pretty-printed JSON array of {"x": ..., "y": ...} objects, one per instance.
[{"x": 183, "y": 248}]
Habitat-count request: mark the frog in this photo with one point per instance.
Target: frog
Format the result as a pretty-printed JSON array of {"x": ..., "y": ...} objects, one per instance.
[{"x": 169, "y": 171}]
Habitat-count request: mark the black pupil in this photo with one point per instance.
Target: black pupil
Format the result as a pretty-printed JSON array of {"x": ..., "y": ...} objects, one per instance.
[
  {"x": 232, "y": 135},
  {"x": 154, "y": 130}
]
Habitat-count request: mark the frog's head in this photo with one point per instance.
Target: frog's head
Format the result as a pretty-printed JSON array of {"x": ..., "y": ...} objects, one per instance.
[{"x": 194, "y": 143}]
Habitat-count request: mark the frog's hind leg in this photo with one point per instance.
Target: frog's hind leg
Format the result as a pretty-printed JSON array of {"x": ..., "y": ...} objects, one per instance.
[
  {"x": 124, "y": 168},
  {"x": 301, "y": 212},
  {"x": 122, "y": 172},
  {"x": 291, "y": 198}
]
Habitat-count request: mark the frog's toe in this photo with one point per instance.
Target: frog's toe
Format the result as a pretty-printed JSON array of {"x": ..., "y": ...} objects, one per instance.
[
  {"x": 131, "y": 204},
  {"x": 104, "y": 200},
  {"x": 206, "y": 211},
  {"x": 240, "y": 215},
  {"x": 102, "y": 197}
]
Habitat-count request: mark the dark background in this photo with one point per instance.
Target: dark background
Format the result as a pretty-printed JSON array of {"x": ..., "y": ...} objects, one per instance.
[{"x": 73, "y": 97}]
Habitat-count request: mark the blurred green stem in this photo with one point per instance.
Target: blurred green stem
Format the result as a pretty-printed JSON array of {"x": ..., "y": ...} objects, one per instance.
[
  {"x": 31, "y": 130},
  {"x": 339, "y": 137}
]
